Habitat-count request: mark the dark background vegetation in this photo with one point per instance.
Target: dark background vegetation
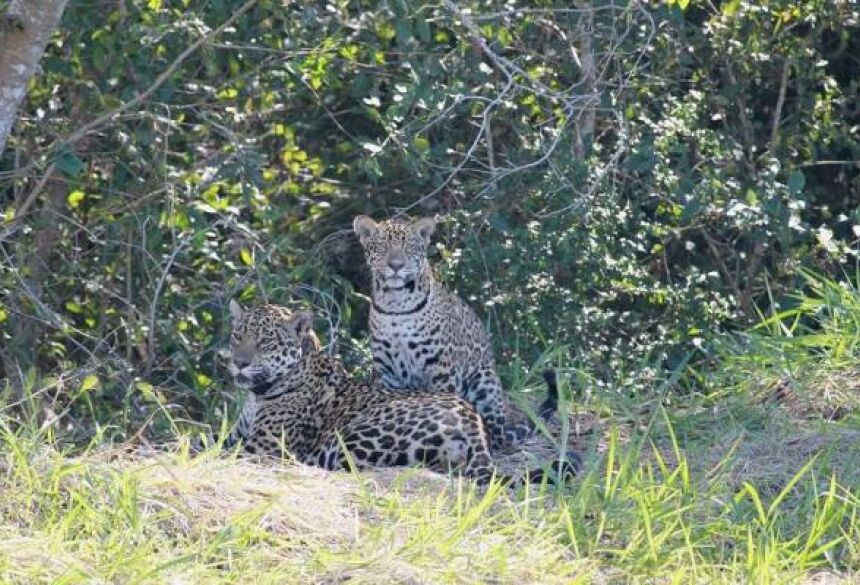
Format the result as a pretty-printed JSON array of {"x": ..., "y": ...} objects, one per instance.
[{"x": 617, "y": 182}]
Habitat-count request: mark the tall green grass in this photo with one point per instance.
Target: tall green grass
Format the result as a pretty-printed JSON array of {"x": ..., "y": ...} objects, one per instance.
[{"x": 806, "y": 353}]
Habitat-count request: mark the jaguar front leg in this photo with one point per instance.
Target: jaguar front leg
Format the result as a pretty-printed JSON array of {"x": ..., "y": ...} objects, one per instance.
[{"x": 483, "y": 390}]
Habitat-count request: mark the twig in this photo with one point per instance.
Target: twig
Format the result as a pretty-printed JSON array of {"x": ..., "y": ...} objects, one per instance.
[
  {"x": 507, "y": 67},
  {"x": 53, "y": 318},
  {"x": 466, "y": 157},
  {"x": 823, "y": 163},
  {"x": 550, "y": 25},
  {"x": 522, "y": 11},
  {"x": 150, "y": 349},
  {"x": 753, "y": 267},
  {"x": 780, "y": 102},
  {"x": 28, "y": 202},
  {"x": 488, "y": 137},
  {"x": 572, "y": 102},
  {"x": 746, "y": 124},
  {"x": 723, "y": 268}
]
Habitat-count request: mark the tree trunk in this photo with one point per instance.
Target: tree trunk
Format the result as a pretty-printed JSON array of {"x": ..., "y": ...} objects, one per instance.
[{"x": 25, "y": 29}]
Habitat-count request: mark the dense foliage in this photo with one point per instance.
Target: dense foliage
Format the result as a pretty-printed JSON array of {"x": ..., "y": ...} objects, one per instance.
[{"x": 618, "y": 180}]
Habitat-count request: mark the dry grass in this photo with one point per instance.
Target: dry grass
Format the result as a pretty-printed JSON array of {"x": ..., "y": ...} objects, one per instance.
[
  {"x": 165, "y": 517},
  {"x": 830, "y": 395}
]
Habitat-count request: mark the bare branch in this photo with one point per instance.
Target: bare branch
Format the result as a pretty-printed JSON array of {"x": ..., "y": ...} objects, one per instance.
[
  {"x": 780, "y": 102},
  {"x": 572, "y": 106}
]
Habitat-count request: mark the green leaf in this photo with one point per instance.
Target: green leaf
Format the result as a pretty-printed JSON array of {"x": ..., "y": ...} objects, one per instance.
[
  {"x": 69, "y": 163},
  {"x": 385, "y": 31},
  {"x": 422, "y": 30},
  {"x": 752, "y": 198},
  {"x": 731, "y": 7},
  {"x": 149, "y": 392},
  {"x": 73, "y": 307},
  {"x": 90, "y": 381},
  {"x": 796, "y": 182},
  {"x": 75, "y": 198},
  {"x": 403, "y": 30},
  {"x": 682, "y": 4},
  {"x": 246, "y": 256},
  {"x": 53, "y": 64},
  {"x": 421, "y": 143},
  {"x": 504, "y": 36}
]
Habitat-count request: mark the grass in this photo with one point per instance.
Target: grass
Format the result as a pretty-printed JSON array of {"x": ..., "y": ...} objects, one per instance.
[
  {"x": 733, "y": 481},
  {"x": 719, "y": 496}
]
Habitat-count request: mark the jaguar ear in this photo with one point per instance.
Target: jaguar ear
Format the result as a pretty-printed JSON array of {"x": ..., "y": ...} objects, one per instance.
[
  {"x": 364, "y": 227},
  {"x": 310, "y": 343},
  {"x": 235, "y": 310},
  {"x": 302, "y": 323},
  {"x": 425, "y": 228}
]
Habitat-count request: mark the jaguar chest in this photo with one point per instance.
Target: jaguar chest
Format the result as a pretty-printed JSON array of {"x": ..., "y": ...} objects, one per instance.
[
  {"x": 248, "y": 415},
  {"x": 404, "y": 349}
]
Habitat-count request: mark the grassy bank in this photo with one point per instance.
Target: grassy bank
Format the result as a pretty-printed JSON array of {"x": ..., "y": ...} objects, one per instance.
[
  {"x": 747, "y": 471},
  {"x": 739, "y": 495}
]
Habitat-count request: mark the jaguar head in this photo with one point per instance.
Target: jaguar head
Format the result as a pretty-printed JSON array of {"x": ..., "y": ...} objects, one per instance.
[
  {"x": 395, "y": 249},
  {"x": 266, "y": 344}
]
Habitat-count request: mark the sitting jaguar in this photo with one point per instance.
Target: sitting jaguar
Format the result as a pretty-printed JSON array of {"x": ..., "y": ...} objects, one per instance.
[
  {"x": 304, "y": 403},
  {"x": 425, "y": 337}
]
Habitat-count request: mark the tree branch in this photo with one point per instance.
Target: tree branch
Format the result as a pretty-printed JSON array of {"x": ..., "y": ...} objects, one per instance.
[
  {"x": 108, "y": 116},
  {"x": 780, "y": 102},
  {"x": 160, "y": 80}
]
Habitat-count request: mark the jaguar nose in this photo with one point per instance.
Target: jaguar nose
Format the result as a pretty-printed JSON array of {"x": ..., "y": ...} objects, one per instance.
[
  {"x": 241, "y": 363},
  {"x": 396, "y": 264}
]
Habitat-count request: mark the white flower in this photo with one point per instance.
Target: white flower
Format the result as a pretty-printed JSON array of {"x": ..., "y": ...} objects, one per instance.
[
  {"x": 795, "y": 224},
  {"x": 825, "y": 238}
]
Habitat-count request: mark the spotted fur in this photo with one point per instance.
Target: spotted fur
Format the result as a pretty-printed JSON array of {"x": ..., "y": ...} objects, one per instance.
[
  {"x": 305, "y": 404},
  {"x": 425, "y": 337}
]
